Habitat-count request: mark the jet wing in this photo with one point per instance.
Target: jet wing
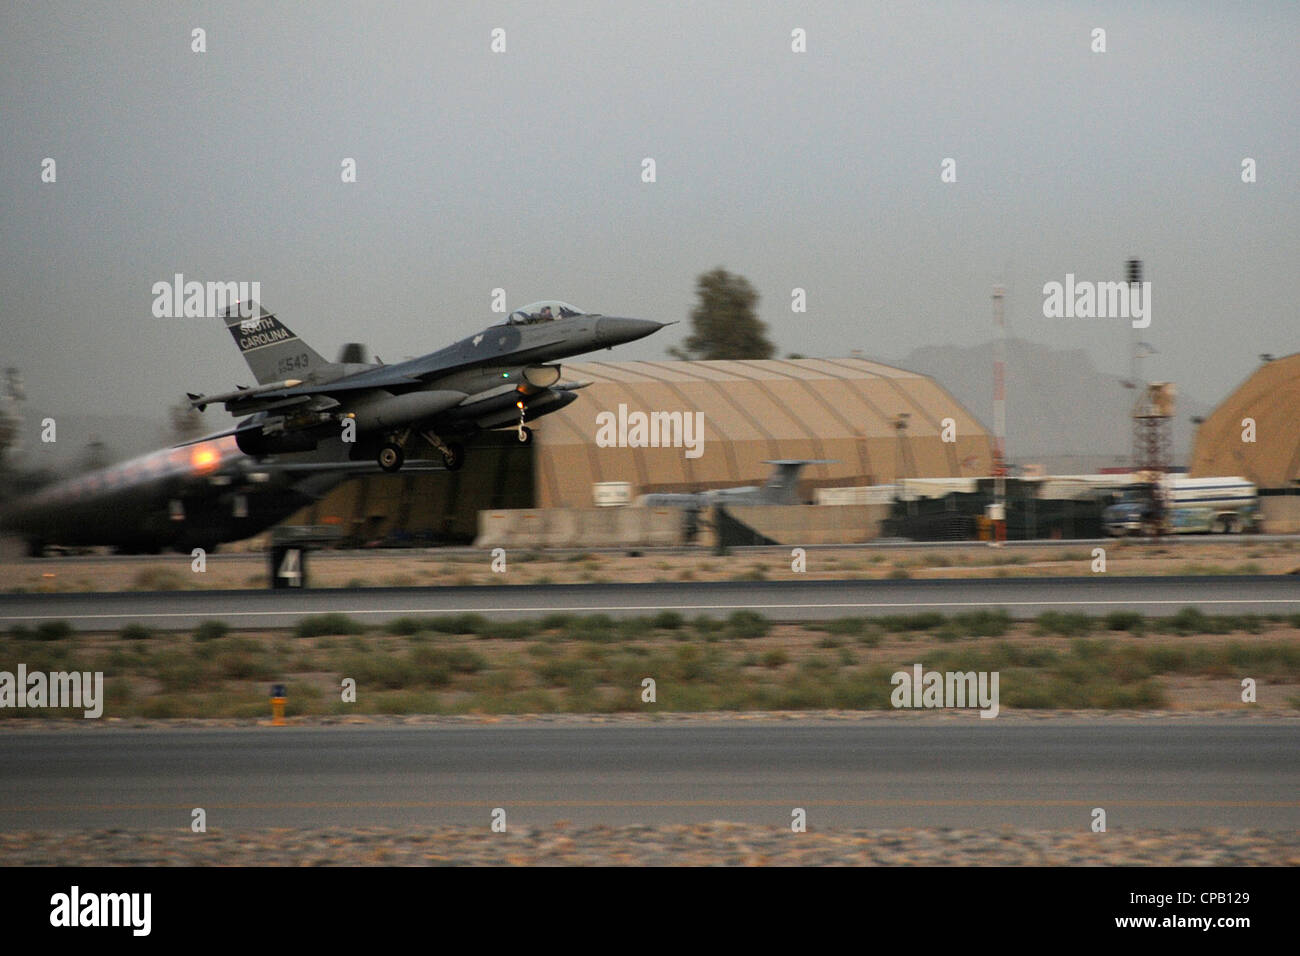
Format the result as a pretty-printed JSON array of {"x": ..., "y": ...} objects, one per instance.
[{"x": 282, "y": 394}]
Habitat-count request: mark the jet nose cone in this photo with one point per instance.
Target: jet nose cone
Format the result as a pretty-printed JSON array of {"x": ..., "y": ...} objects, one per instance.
[{"x": 615, "y": 331}]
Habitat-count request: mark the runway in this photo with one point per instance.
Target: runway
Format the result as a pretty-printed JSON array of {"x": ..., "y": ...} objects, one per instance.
[
  {"x": 779, "y": 600},
  {"x": 897, "y": 772}
]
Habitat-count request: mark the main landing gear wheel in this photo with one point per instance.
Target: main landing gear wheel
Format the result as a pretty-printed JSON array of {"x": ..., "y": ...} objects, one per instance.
[
  {"x": 390, "y": 458},
  {"x": 525, "y": 435},
  {"x": 454, "y": 456}
]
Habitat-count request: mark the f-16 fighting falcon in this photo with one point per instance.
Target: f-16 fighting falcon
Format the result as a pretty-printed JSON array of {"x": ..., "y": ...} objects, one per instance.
[{"x": 493, "y": 380}]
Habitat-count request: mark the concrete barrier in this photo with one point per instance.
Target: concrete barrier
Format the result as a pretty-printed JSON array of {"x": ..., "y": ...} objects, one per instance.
[
  {"x": 665, "y": 527},
  {"x": 813, "y": 524},
  {"x": 653, "y": 527},
  {"x": 579, "y": 527}
]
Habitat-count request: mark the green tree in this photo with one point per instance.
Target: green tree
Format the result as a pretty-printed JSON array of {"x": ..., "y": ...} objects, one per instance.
[{"x": 724, "y": 324}]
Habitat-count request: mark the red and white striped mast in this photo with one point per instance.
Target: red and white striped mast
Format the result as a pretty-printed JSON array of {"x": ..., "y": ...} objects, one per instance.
[{"x": 999, "y": 415}]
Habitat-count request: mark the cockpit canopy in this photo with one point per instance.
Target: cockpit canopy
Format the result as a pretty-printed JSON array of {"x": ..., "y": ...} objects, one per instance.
[{"x": 548, "y": 310}]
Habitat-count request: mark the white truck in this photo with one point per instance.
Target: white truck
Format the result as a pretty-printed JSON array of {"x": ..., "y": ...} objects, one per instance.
[{"x": 1192, "y": 505}]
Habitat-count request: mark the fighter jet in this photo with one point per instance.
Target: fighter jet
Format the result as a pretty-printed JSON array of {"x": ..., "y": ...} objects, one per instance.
[
  {"x": 781, "y": 489},
  {"x": 498, "y": 378},
  {"x": 182, "y": 498}
]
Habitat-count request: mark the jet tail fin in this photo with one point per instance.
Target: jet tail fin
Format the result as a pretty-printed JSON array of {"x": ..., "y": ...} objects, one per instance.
[
  {"x": 782, "y": 485},
  {"x": 270, "y": 348}
]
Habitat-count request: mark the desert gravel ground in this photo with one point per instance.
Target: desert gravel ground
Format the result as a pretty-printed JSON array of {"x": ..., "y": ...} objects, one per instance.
[
  {"x": 705, "y": 844},
  {"x": 426, "y": 567}
]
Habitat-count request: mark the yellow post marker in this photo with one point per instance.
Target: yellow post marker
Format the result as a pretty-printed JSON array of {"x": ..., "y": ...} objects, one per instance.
[{"x": 277, "y": 705}]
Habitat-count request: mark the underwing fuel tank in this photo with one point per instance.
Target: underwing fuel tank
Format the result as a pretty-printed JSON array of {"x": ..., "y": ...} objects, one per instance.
[
  {"x": 398, "y": 411},
  {"x": 541, "y": 404},
  {"x": 502, "y": 411}
]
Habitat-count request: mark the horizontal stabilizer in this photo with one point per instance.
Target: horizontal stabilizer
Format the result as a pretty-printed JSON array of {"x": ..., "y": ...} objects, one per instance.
[{"x": 242, "y": 426}]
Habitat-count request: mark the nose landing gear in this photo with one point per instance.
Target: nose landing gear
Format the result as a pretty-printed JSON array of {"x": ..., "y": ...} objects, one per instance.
[{"x": 525, "y": 433}]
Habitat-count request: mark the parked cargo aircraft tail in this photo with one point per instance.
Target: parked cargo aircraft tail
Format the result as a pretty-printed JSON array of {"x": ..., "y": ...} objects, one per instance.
[{"x": 782, "y": 486}]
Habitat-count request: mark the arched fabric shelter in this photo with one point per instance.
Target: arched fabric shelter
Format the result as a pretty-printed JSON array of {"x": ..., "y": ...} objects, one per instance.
[{"x": 1270, "y": 399}]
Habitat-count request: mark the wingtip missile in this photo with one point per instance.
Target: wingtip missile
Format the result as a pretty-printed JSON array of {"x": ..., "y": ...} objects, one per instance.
[{"x": 240, "y": 393}]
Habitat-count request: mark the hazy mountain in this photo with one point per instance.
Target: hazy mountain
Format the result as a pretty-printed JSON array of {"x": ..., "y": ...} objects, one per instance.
[{"x": 1062, "y": 411}]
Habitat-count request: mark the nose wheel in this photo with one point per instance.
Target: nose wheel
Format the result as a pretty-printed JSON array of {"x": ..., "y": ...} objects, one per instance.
[
  {"x": 391, "y": 457},
  {"x": 525, "y": 435}
]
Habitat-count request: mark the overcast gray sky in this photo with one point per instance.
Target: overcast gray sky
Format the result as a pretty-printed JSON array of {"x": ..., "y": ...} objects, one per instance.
[{"x": 523, "y": 170}]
